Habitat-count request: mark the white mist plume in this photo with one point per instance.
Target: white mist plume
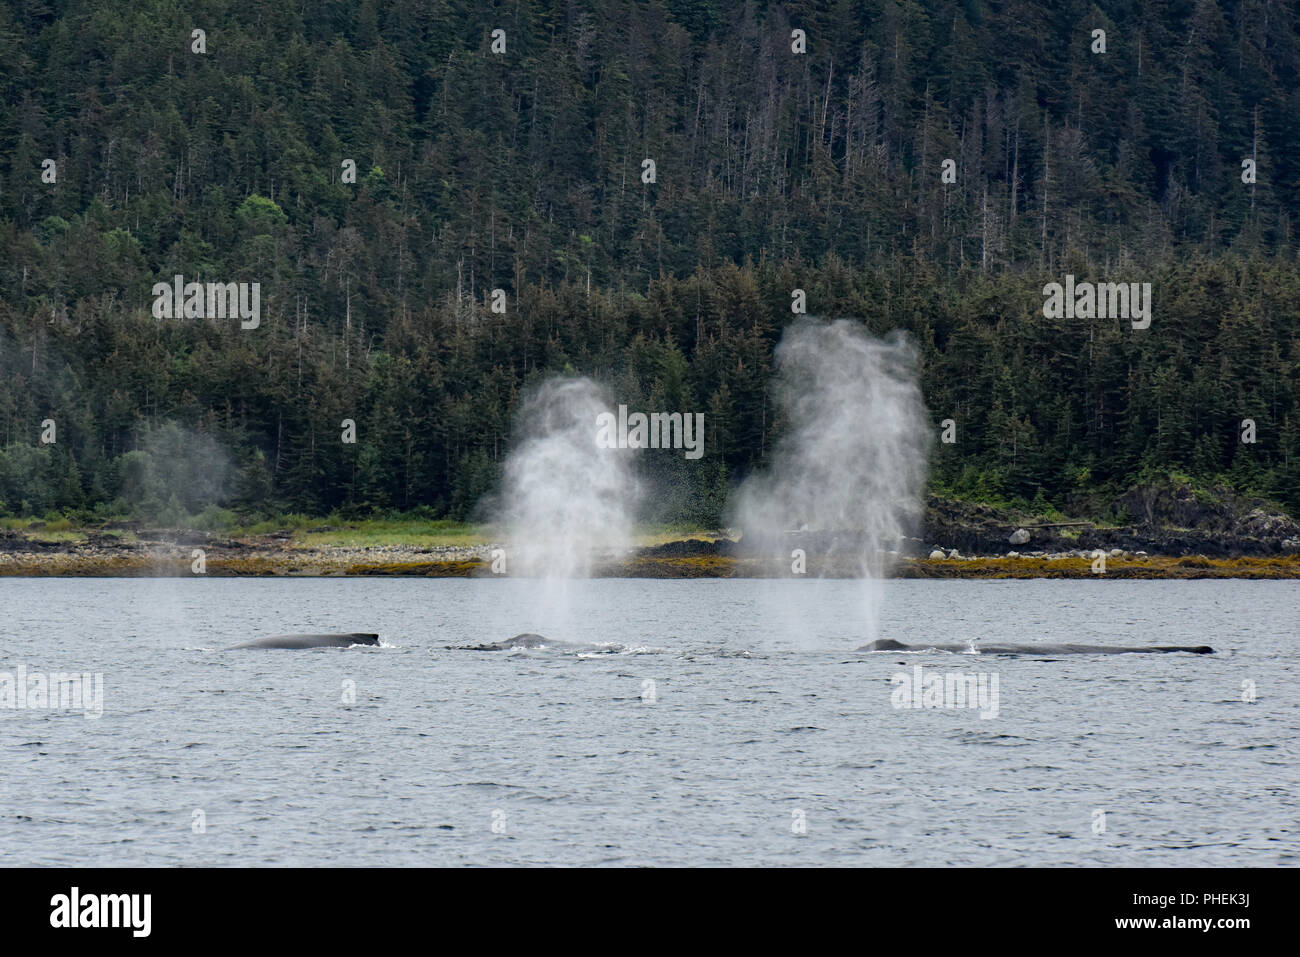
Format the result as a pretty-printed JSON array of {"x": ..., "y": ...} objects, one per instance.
[
  {"x": 565, "y": 501},
  {"x": 851, "y": 469}
]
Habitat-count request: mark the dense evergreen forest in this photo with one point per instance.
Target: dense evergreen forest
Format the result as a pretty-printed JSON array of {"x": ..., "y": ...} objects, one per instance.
[{"x": 524, "y": 170}]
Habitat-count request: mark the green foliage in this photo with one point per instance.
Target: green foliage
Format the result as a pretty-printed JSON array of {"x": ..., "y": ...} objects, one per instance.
[
  {"x": 522, "y": 172},
  {"x": 258, "y": 215}
]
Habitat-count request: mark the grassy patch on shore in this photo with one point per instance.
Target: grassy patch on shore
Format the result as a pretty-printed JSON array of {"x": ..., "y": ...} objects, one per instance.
[
  {"x": 429, "y": 533},
  {"x": 411, "y": 530},
  {"x": 415, "y": 532}
]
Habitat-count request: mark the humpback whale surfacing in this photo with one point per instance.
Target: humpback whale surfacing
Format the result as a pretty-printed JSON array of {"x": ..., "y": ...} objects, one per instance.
[
  {"x": 526, "y": 640},
  {"x": 888, "y": 644},
  {"x": 312, "y": 641},
  {"x": 531, "y": 642}
]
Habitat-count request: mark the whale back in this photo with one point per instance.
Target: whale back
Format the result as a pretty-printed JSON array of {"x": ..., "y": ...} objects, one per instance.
[
  {"x": 343, "y": 640},
  {"x": 526, "y": 640},
  {"x": 885, "y": 644},
  {"x": 888, "y": 644}
]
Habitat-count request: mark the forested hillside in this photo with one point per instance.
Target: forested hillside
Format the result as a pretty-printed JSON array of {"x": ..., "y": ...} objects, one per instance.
[{"x": 524, "y": 171}]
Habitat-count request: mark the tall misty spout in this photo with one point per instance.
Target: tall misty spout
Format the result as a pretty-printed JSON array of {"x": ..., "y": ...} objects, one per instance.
[
  {"x": 566, "y": 502},
  {"x": 848, "y": 472}
]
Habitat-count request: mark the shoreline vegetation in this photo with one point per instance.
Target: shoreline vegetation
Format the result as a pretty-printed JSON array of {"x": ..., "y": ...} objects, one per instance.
[
  {"x": 440, "y": 549},
  {"x": 649, "y": 195}
]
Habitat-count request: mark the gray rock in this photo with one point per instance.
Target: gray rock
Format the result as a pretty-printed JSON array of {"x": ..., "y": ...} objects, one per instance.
[{"x": 1019, "y": 537}]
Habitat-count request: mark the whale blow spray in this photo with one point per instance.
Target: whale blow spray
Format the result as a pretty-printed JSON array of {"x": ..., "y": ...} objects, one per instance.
[
  {"x": 850, "y": 468},
  {"x": 566, "y": 502}
]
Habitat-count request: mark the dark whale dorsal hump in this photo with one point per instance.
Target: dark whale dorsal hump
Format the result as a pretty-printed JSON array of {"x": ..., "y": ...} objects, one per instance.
[
  {"x": 887, "y": 644},
  {"x": 526, "y": 640},
  {"x": 342, "y": 640}
]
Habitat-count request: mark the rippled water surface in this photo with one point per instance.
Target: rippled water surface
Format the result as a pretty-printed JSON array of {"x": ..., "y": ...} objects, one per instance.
[{"x": 705, "y": 722}]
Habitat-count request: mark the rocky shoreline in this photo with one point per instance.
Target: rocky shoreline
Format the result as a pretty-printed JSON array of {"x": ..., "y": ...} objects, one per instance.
[
  {"x": 1170, "y": 520},
  {"x": 1179, "y": 533}
]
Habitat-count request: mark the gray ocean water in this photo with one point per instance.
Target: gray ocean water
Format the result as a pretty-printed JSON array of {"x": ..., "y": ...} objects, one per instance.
[{"x": 720, "y": 723}]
